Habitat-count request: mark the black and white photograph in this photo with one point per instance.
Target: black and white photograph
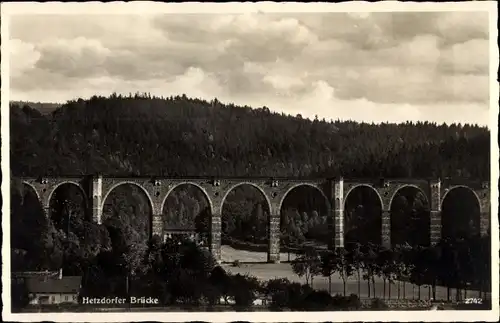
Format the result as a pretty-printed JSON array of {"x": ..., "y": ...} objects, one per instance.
[{"x": 258, "y": 162}]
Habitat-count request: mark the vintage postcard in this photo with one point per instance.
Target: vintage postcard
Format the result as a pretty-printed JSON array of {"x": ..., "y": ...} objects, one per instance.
[{"x": 261, "y": 162}]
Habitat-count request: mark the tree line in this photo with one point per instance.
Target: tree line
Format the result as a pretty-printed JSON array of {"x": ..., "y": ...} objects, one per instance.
[{"x": 431, "y": 266}]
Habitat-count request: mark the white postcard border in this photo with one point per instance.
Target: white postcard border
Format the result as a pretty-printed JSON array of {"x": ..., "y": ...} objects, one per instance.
[{"x": 144, "y": 7}]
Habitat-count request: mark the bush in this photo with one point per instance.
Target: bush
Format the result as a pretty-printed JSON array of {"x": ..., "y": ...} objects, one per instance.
[
  {"x": 350, "y": 302},
  {"x": 277, "y": 289},
  {"x": 297, "y": 293},
  {"x": 354, "y": 302},
  {"x": 318, "y": 301},
  {"x": 285, "y": 294},
  {"x": 378, "y": 304},
  {"x": 211, "y": 294},
  {"x": 221, "y": 281},
  {"x": 244, "y": 290},
  {"x": 19, "y": 296}
]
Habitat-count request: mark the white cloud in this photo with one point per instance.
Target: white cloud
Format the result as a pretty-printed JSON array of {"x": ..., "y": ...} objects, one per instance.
[
  {"x": 24, "y": 57},
  {"x": 78, "y": 57},
  {"x": 364, "y": 66},
  {"x": 471, "y": 56}
]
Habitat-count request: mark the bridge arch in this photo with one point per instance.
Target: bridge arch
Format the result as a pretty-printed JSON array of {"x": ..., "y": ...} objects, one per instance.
[
  {"x": 409, "y": 216},
  {"x": 460, "y": 212},
  {"x": 201, "y": 188},
  {"x": 245, "y": 227},
  {"x": 55, "y": 187},
  {"x": 144, "y": 190},
  {"x": 33, "y": 188},
  {"x": 447, "y": 191},
  {"x": 351, "y": 189},
  {"x": 404, "y": 186},
  {"x": 316, "y": 187},
  {"x": 260, "y": 189},
  {"x": 363, "y": 220}
]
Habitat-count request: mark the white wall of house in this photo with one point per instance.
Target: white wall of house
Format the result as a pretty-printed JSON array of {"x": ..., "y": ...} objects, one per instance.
[{"x": 53, "y": 298}]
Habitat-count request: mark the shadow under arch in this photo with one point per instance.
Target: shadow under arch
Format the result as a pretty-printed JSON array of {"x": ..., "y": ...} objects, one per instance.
[
  {"x": 257, "y": 187},
  {"x": 304, "y": 219},
  {"x": 25, "y": 184},
  {"x": 68, "y": 206},
  {"x": 410, "y": 216},
  {"x": 186, "y": 211},
  {"x": 362, "y": 216},
  {"x": 460, "y": 213},
  {"x": 121, "y": 194},
  {"x": 129, "y": 183},
  {"x": 176, "y": 186},
  {"x": 300, "y": 185},
  {"x": 363, "y": 186},
  {"x": 79, "y": 186},
  {"x": 28, "y": 222},
  {"x": 245, "y": 214}
]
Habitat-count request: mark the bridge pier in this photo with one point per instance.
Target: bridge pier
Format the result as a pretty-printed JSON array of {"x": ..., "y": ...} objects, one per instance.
[
  {"x": 338, "y": 213},
  {"x": 484, "y": 224},
  {"x": 435, "y": 227},
  {"x": 386, "y": 229},
  {"x": 273, "y": 254},
  {"x": 157, "y": 225},
  {"x": 485, "y": 206},
  {"x": 96, "y": 200},
  {"x": 435, "y": 214},
  {"x": 215, "y": 236},
  {"x": 46, "y": 212}
]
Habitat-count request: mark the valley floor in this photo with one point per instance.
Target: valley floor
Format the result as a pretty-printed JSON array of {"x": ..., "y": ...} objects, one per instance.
[{"x": 265, "y": 271}]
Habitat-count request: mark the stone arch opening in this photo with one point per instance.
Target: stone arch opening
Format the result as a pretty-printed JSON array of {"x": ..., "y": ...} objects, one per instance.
[
  {"x": 460, "y": 213},
  {"x": 245, "y": 224},
  {"x": 67, "y": 204},
  {"x": 81, "y": 191},
  {"x": 23, "y": 188},
  {"x": 304, "y": 220},
  {"x": 127, "y": 213},
  {"x": 27, "y": 224},
  {"x": 362, "y": 216},
  {"x": 410, "y": 217},
  {"x": 186, "y": 213}
]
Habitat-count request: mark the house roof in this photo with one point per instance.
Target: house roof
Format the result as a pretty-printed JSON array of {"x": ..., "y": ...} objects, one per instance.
[
  {"x": 26, "y": 274},
  {"x": 67, "y": 284}
]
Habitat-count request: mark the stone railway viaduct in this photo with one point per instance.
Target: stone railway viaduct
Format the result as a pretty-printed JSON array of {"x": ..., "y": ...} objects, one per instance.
[{"x": 96, "y": 189}]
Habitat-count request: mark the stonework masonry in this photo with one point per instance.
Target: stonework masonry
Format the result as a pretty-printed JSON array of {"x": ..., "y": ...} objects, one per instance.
[{"x": 96, "y": 189}]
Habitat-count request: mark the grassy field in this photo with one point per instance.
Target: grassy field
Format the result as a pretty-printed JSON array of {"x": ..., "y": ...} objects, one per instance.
[
  {"x": 264, "y": 271},
  {"x": 230, "y": 254}
]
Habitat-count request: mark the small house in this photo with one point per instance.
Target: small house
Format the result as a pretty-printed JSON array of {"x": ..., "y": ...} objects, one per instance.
[{"x": 53, "y": 290}]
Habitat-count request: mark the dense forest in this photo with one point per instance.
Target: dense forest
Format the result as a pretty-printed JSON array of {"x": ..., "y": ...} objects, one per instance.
[{"x": 140, "y": 135}]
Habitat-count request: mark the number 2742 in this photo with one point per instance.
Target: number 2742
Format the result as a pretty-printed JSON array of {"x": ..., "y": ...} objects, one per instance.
[{"x": 473, "y": 301}]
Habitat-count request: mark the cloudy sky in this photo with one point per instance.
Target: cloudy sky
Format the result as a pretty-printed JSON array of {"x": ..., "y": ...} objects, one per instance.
[{"x": 367, "y": 67}]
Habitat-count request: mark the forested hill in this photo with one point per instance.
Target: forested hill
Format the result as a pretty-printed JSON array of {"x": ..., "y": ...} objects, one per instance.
[
  {"x": 43, "y": 107},
  {"x": 178, "y": 136}
]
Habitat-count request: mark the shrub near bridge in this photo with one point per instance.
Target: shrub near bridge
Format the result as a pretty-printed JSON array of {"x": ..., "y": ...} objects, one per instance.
[{"x": 296, "y": 297}]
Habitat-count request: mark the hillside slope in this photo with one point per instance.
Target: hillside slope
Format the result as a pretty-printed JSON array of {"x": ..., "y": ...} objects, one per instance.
[
  {"x": 179, "y": 136},
  {"x": 44, "y": 107}
]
